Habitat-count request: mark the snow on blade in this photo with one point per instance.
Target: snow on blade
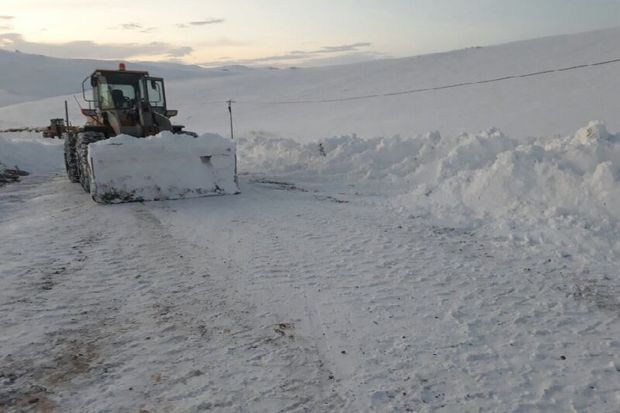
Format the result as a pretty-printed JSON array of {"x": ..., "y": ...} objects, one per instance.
[{"x": 165, "y": 166}]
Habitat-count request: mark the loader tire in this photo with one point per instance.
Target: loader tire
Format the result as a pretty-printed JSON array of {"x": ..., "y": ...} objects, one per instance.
[
  {"x": 71, "y": 164},
  {"x": 83, "y": 140}
]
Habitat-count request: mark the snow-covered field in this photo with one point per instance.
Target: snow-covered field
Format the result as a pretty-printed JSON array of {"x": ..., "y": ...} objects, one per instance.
[
  {"x": 546, "y": 105},
  {"x": 393, "y": 270}
]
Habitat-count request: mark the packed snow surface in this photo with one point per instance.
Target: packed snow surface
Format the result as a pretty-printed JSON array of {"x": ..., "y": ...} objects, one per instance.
[{"x": 166, "y": 166}]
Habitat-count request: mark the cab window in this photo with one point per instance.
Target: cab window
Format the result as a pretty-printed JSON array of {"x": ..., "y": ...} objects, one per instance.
[{"x": 155, "y": 92}]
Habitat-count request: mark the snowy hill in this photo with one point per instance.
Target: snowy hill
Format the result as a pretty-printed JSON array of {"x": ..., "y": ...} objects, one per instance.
[
  {"x": 27, "y": 77},
  {"x": 555, "y": 103}
]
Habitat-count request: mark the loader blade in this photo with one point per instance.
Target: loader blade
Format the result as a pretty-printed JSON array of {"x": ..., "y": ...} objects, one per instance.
[{"x": 166, "y": 166}]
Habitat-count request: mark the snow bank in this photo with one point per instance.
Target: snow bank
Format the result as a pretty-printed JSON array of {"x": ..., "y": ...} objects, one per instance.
[
  {"x": 553, "y": 181},
  {"x": 165, "y": 166},
  {"x": 490, "y": 174},
  {"x": 30, "y": 152}
]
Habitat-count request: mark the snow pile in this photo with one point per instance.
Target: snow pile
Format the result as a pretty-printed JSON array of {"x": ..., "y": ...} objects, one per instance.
[
  {"x": 165, "y": 166},
  {"x": 30, "y": 152},
  {"x": 491, "y": 174},
  {"x": 556, "y": 181}
]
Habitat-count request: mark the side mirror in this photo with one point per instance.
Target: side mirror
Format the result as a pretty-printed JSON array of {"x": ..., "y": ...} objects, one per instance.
[{"x": 171, "y": 113}]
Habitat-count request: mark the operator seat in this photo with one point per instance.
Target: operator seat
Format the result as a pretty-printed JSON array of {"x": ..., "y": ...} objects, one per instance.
[{"x": 118, "y": 97}]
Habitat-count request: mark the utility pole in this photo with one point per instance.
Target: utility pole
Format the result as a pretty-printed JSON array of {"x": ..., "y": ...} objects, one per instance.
[
  {"x": 232, "y": 136},
  {"x": 67, "y": 113},
  {"x": 230, "y": 102}
]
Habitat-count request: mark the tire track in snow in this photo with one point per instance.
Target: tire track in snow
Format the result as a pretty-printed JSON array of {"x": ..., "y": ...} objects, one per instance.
[
  {"x": 247, "y": 303},
  {"x": 140, "y": 321},
  {"x": 296, "y": 380},
  {"x": 411, "y": 316},
  {"x": 50, "y": 339},
  {"x": 276, "y": 265}
]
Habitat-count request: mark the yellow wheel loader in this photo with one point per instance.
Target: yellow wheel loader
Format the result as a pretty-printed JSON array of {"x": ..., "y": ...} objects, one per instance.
[{"x": 129, "y": 150}]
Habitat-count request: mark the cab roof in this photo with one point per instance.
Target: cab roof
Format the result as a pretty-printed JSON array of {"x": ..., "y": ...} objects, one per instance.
[{"x": 136, "y": 72}]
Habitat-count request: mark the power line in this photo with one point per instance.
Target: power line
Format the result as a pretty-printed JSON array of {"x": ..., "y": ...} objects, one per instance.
[{"x": 428, "y": 89}]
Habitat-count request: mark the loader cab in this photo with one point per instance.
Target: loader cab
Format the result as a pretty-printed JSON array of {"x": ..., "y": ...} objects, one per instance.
[
  {"x": 122, "y": 91},
  {"x": 128, "y": 102}
]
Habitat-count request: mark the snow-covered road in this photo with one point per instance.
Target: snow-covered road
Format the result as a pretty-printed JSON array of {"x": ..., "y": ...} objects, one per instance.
[{"x": 289, "y": 299}]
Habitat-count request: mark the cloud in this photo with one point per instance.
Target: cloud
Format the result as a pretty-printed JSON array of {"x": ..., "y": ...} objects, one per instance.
[
  {"x": 7, "y": 17},
  {"x": 131, "y": 26},
  {"x": 135, "y": 27},
  {"x": 179, "y": 51},
  {"x": 344, "y": 48},
  {"x": 200, "y": 23},
  {"x": 88, "y": 49},
  {"x": 223, "y": 41},
  {"x": 208, "y": 21},
  {"x": 346, "y": 52}
]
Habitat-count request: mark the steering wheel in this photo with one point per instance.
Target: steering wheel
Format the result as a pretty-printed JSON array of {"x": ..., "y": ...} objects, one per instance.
[{"x": 128, "y": 102}]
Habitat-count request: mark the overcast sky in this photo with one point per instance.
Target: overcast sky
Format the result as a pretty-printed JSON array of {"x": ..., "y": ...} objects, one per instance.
[{"x": 284, "y": 32}]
